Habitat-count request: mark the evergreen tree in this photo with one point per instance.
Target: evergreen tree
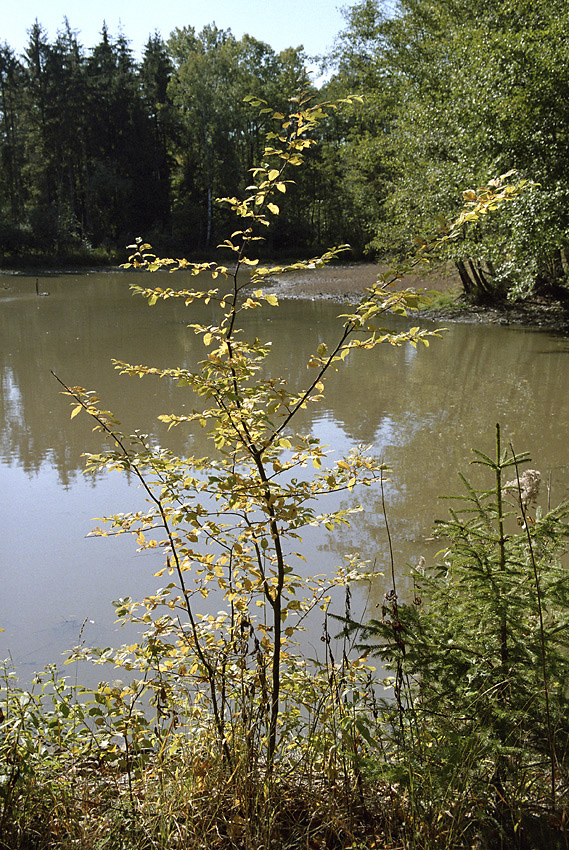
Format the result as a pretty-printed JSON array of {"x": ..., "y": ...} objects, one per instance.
[
  {"x": 120, "y": 165},
  {"x": 11, "y": 137},
  {"x": 154, "y": 75}
]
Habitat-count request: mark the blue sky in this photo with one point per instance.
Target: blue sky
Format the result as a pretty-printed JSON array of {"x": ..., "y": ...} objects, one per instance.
[{"x": 281, "y": 23}]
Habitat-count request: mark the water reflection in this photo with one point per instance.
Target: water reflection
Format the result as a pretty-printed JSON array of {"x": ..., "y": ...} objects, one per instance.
[{"x": 422, "y": 411}]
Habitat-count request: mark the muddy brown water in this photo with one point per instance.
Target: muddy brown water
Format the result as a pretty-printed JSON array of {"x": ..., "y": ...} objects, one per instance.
[{"x": 421, "y": 411}]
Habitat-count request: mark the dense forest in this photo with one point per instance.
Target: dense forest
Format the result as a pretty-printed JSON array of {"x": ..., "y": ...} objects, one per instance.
[{"x": 97, "y": 147}]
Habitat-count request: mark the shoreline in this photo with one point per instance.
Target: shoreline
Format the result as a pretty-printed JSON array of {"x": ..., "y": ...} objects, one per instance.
[{"x": 345, "y": 282}]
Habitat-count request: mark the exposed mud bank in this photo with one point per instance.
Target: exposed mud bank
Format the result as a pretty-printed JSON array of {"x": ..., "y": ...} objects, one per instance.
[
  {"x": 346, "y": 283},
  {"x": 536, "y": 312}
]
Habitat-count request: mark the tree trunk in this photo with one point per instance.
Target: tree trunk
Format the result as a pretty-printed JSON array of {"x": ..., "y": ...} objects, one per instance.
[{"x": 467, "y": 283}]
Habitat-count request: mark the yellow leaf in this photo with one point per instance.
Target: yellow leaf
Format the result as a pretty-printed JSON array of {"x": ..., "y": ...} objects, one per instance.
[
  {"x": 273, "y": 208},
  {"x": 273, "y": 174},
  {"x": 76, "y": 410}
]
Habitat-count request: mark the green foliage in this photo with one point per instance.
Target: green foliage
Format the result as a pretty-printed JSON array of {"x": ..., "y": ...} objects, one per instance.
[
  {"x": 221, "y": 136},
  {"x": 481, "y": 665},
  {"x": 464, "y": 91},
  {"x": 50, "y": 736},
  {"x": 96, "y": 147}
]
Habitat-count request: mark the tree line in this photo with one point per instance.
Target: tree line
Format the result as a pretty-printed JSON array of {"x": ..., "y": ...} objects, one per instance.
[{"x": 97, "y": 148}]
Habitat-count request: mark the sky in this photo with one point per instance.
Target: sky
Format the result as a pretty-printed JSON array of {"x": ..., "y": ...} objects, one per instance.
[{"x": 281, "y": 23}]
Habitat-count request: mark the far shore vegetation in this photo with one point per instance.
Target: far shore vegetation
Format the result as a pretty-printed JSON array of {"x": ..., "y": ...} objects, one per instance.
[{"x": 97, "y": 147}]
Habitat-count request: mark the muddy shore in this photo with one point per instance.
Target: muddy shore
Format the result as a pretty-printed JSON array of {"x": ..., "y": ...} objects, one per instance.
[{"x": 346, "y": 283}]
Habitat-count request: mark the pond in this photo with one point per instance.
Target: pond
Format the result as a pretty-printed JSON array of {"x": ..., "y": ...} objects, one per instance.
[{"x": 421, "y": 411}]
